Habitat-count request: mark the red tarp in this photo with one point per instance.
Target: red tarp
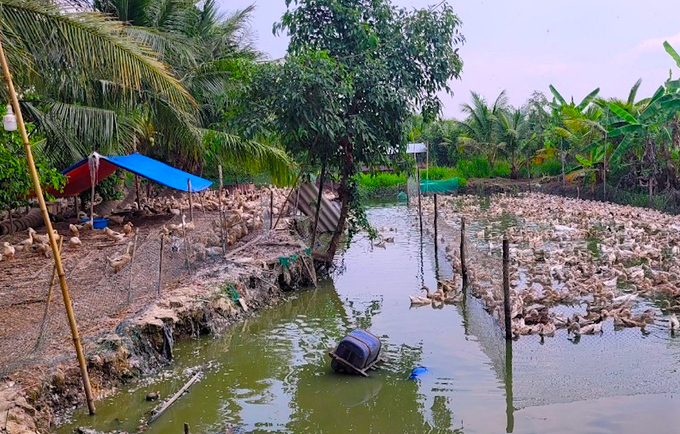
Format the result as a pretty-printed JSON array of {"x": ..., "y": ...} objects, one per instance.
[{"x": 78, "y": 177}]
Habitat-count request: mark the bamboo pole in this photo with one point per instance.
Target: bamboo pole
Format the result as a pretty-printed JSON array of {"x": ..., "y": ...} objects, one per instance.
[
  {"x": 132, "y": 264},
  {"x": 463, "y": 266},
  {"x": 50, "y": 234},
  {"x": 506, "y": 289},
  {"x": 219, "y": 200},
  {"x": 191, "y": 202},
  {"x": 160, "y": 266}
]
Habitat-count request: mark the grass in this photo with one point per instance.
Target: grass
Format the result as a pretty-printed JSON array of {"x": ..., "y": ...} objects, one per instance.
[{"x": 381, "y": 184}]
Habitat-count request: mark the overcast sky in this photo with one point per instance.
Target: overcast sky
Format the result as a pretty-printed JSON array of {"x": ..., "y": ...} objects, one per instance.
[{"x": 525, "y": 45}]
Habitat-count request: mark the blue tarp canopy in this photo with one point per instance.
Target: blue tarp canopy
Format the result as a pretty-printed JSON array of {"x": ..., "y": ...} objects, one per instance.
[{"x": 78, "y": 175}]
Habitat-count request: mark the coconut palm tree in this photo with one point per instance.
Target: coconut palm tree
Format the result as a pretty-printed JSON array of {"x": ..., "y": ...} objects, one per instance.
[
  {"x": 479, "y": 131},
  {"x": 94, "y": 83},
  {"x": 512, "y": 131}
]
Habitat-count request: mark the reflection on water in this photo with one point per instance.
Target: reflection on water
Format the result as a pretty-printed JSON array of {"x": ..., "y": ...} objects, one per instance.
[{"x": 272, "y": 374}]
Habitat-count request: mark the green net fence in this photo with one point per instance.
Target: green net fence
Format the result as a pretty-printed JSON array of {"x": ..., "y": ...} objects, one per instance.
[{"x": 440, "y": 186}]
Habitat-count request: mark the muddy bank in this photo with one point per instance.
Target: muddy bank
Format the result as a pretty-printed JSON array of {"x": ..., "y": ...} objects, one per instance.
[{"x": 205, "y": 303}]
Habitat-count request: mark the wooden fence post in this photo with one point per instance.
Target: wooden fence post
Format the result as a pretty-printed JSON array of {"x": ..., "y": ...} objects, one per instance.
[
  {"x": 132, "y": 264},
  {"x": 160, "y": 266},
  {"x": 463, "y": 266},
  {"x": 271, "y": 209},
  {"x": 420, "y": 207},
  {"x": 191, "y": 202},
  {"x": 219, "y": 196},
  {"x": 435, "y": 219},
  {"x": 506, "y": 289},
  {"x": 186, "y": 428}
]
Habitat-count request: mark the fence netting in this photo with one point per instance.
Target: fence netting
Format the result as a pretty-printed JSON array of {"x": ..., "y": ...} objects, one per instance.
[
  {"x": 35, "y": 332},
  {"x": 560, "y": 268}
]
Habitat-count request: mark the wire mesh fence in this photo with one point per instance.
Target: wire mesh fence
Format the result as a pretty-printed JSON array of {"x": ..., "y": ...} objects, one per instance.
[
  {"x": 553, "y": 365},
  {"x": 34, "y": 331}
]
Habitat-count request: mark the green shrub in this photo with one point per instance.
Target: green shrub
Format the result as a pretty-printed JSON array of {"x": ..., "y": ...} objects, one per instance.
[
  {"x": 381, "y": 184},
  {"x": 501, "y": 170},
  {"x": 438, "y": 173},
  {"x": 475, "y": 168},
  {"x": 551, "y": 167},
  {"x": 381, "y": 180}
]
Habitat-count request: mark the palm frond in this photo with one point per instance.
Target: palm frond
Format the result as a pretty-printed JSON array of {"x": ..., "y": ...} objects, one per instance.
[
  {"x": 86, "y": 47},
  {"x": 249, "y": 155},
  {"x": 633, "y": 92}
]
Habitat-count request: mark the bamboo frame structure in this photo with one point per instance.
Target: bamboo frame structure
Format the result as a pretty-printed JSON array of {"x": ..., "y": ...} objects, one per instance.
[{"x": 48, "y": 225}]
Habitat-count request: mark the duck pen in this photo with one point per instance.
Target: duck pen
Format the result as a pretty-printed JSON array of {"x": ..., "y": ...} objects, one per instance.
[{"x": 558, "y": 278}]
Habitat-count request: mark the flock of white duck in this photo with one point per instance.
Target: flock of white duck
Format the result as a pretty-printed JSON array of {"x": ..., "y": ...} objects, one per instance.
[
  {"x": 243, "y": 213},
  {"x": 606, "y": 262}
]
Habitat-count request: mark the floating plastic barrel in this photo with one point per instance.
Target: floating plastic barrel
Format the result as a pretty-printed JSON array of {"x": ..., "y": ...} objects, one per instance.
[{"x": 360, "y": 349}]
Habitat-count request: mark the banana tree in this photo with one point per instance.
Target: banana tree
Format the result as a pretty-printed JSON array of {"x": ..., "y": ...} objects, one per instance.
[{"x": 642, "y": 132}]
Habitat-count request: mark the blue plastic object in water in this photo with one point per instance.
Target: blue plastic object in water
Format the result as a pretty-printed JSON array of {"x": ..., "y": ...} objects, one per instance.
[{"x": 417, "y": 372}]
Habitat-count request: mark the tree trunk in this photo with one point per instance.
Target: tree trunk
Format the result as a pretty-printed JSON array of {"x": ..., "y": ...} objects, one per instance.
[
  {"x": 676, "y": 132},
  {"x": 529, "y": 172},
  {"x": 514, "y": 174},
  {"x": 346, "y": 173}
]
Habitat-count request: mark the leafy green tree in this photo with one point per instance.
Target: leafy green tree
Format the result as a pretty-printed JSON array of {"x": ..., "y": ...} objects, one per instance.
[
  {"x": 357, "y": 68},
  {"x": 17, "y": 185}
]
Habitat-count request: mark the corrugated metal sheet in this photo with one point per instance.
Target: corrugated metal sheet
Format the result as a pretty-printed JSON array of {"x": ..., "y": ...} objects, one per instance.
[{"x": 329, "y": 215}]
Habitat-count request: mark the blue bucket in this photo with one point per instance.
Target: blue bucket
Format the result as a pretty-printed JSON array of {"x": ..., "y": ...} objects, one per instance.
[{"x": 98, "y": 223}]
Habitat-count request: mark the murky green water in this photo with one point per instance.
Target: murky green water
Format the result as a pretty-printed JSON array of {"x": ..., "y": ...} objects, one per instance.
[{"x": 271, "y": 373}]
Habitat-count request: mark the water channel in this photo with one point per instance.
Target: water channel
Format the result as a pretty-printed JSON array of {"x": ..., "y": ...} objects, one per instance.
[{"x": 271, "y": 373}]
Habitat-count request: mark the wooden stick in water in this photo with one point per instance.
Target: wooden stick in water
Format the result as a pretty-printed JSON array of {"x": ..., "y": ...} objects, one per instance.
[{"x": 174, "y": 398}]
